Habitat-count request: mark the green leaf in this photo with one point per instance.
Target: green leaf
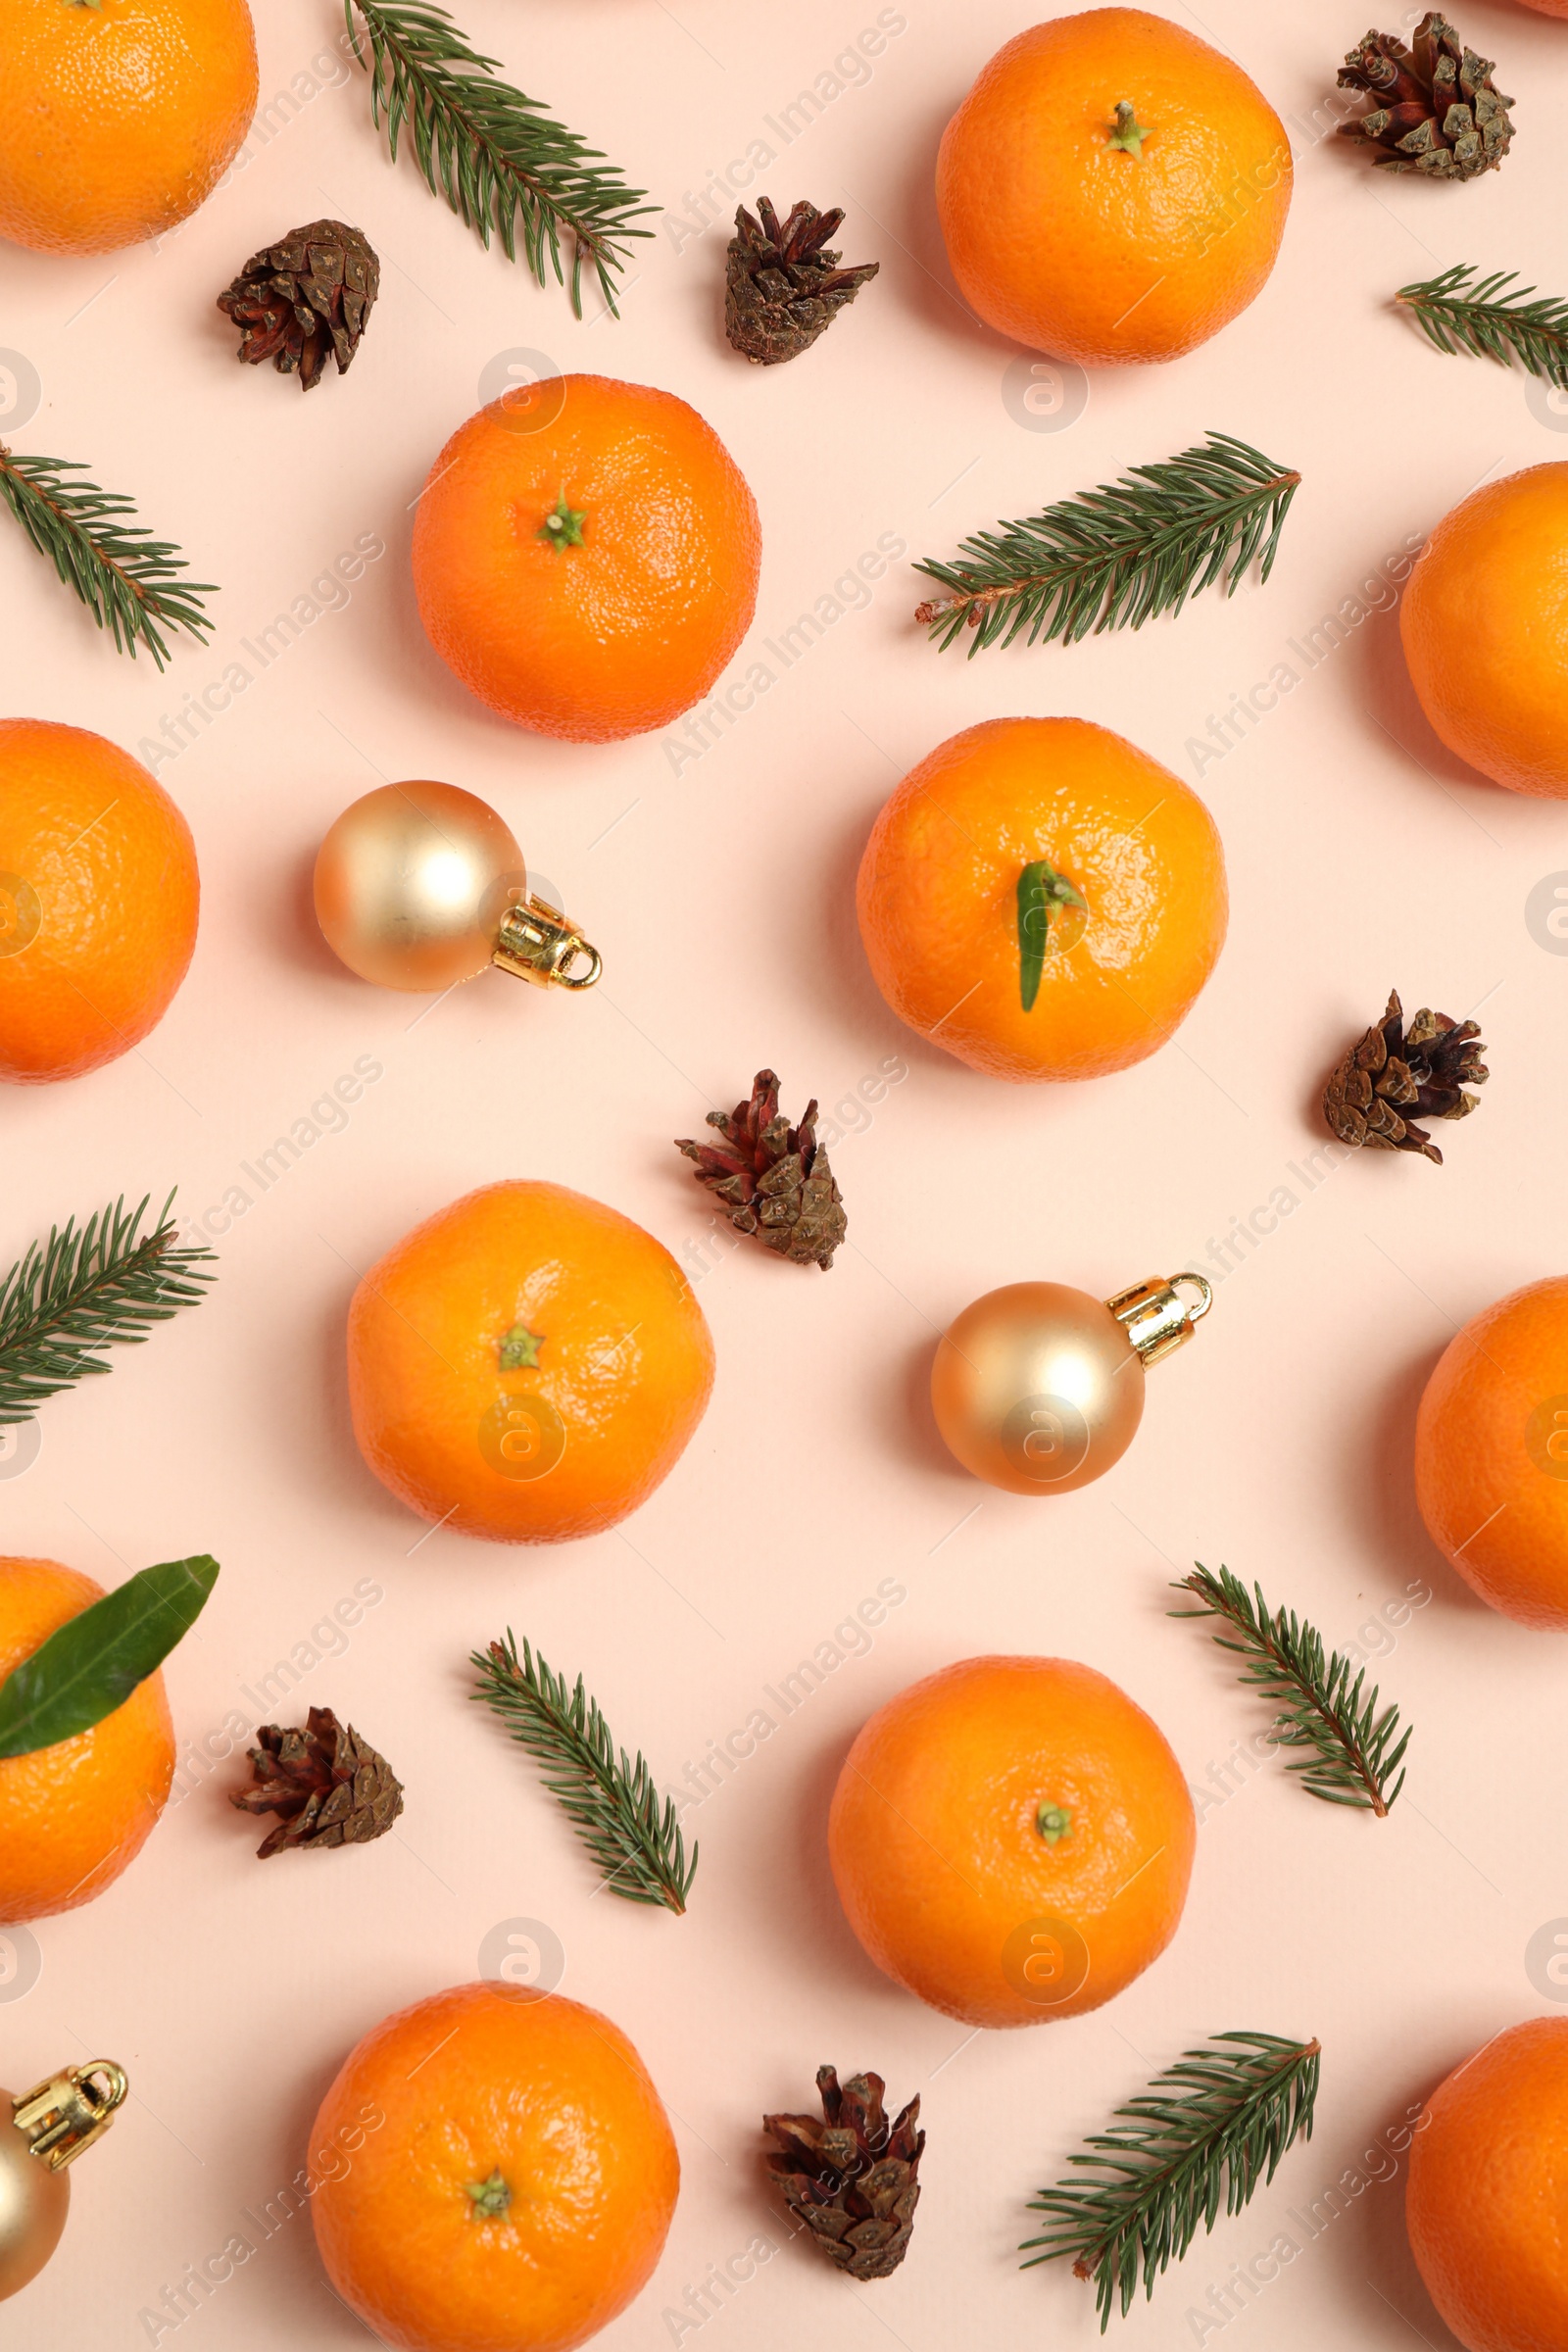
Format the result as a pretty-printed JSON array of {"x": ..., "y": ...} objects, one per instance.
[
  {"x": 90, "y": 1665},
  {"x": 1040, "y": 889}
]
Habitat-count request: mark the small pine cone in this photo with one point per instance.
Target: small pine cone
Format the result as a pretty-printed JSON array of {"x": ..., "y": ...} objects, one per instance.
[
  {"x": 783, "y": 288},
  {"x": 852, "y": 2181},
  {"x": 1396, "y": 1075},
  {"x": 329, "y": 1786},
  {"x": 1435, "y": 108},
  {"x": 773, "y": 1178},
  {"x": 307, "y": 297}
]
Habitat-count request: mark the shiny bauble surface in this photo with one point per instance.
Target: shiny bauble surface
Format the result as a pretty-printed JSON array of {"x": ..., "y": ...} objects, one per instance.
[
  {"x": 411, "y": 882},
  {"x": 34, "y": 2204},
  {"x": 1037, "y": 1388}
]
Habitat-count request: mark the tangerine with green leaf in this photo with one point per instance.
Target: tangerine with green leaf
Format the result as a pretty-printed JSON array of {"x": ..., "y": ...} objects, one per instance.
[
  {"x": 73, "y": 1815},
  {"x": 1113, "y": 191},
  {"x": 586, "y": 556},
  {"x": 1043, "y": 899}
]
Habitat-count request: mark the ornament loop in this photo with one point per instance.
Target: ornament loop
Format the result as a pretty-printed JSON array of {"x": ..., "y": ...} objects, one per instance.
[
  {"x": 536, "y": 941},
  {"x": 65, "y": 2114},
  {"x": 1157, "y": 1318},
  {"x": 1206, "y": 1294}
]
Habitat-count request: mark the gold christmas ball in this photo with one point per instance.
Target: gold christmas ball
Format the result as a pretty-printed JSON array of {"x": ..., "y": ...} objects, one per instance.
[
  {"x": 411, "y": 883},
  {"x": 34, "y": 2204},
  {"x": 1039, "y": 1388}
]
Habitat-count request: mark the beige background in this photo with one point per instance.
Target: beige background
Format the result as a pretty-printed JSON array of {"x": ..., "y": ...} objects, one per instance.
[{"x": 1361, "y": 855}]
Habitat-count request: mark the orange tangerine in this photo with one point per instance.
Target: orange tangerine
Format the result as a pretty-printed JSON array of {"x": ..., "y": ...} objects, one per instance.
[
  {"x": 1126, "y": 920},
  {"x": 72, "y": 1816}
]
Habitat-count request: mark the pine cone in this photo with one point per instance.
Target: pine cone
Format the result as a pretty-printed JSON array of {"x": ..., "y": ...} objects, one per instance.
[
  {"x": 307, "y": 296},
  {"x": 329, "y": 1785},
  {"x": 783, "y": 288},
  {"x": 1396, "y": 1075},
  {"x": 853, "y": 2182},
  {"x": 1435, "y": 107},
  {"x": 773, "y": 1178}
]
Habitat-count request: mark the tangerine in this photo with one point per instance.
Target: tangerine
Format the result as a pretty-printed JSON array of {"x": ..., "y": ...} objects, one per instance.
[
  {"x": 1112, "y": 189},
  {"x": 98, "y": 901},
  {"x": 1488, "y": 2191},
  {"x": 118, "y": 118},
  {"x": 1043, "y": 899},
  {"x": 1485, "y": 625},
  {"x": 509, "y": 2174},
  {"x": 526, "y": 1366},
  {"x": 73, "y": 1815},
  {"x": 1011, "y": 1839},
  {"x": 1491, "y": 1453},
  {"x": 586, "y": 556}
]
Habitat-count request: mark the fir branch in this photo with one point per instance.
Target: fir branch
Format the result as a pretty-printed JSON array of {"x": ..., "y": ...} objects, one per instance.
[
  {"x": 1212, "y": 2127},
  {"x": 1481, "y": 317},
  {"x": 84, "y": 1290},
  {"x": 1351, "y": 1752},
  {"x": 1116, "y": 556},
  {"x": 129, "y": 580},
  {"x": 612, "y": 1800},
  {"x": 493, "y": 154}
]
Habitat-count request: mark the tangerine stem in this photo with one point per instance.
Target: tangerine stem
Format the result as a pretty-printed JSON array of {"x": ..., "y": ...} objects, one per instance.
[
  {"x": 563, "y": 525},
  {"x": 519, "y": 1348},
  {"x": 490, "y": 2197},
  {"x": 1129, "y": 133}
]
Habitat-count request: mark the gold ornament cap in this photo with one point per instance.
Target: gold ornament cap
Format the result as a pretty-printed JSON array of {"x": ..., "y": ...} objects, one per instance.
[
  {"x": 1157, "y": 1318},
  {"x": 536, "y": 941},
  {"x": 52, "y": 2122},
  {"x": 65, "y": 2114}
]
